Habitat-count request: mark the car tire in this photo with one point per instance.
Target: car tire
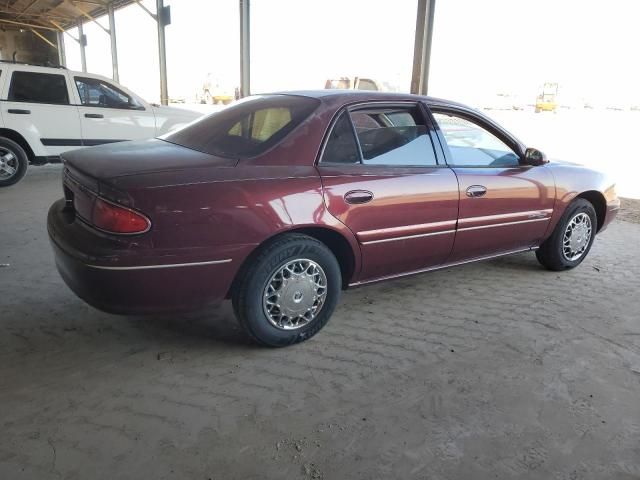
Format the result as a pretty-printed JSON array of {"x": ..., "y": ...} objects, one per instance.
[
  {"x": 302, "y": 275},
  {"x": 14, "y": 156},
  {"x": 557, "y": 252}
]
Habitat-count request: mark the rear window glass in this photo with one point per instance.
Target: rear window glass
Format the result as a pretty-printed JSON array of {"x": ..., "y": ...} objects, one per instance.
[
  {"x": 246, "y": 129},
  {"x": 38, "y": 88}
]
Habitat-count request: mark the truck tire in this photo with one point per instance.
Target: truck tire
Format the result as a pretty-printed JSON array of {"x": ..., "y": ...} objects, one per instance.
[{"x": 13, "y": 162}]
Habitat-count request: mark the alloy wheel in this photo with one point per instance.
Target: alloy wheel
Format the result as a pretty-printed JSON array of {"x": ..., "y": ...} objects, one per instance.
[{"x": 8, "y": 164}]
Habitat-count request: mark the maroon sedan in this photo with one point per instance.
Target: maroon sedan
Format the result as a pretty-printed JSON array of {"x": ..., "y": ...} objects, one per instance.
[{"x": 280, "y": 201}]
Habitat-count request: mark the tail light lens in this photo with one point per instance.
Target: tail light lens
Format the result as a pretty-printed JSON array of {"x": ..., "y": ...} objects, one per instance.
[{"x": 113, "y": 218}]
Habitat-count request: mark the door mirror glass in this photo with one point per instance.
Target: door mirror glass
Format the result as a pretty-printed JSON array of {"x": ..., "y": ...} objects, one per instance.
[{"x": 534, "y": 157}]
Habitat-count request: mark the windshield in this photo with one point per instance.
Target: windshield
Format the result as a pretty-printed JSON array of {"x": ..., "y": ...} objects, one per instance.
[{"x": 247, "y": 128}]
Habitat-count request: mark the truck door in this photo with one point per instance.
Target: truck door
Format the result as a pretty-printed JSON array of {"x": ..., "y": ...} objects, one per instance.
[
  {"x": 36, "y": 103},
  {"x": 109, "y": 114}
]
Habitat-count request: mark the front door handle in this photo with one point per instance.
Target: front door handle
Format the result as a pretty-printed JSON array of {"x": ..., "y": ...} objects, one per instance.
[
  {"x": 355, "y": 197},
  {"x": 476, "y": 191},
  {"x": 19, "y": 111},
  {"x": 93, "y": 115}
]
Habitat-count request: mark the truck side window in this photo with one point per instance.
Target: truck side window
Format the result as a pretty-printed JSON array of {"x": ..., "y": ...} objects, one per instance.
[
  {"x": 96, "y": 93},
  {"x": 38, "y": 88}
]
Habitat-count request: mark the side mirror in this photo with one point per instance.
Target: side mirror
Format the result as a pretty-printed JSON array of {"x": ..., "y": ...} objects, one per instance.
[{"x": 534, "y": 157}]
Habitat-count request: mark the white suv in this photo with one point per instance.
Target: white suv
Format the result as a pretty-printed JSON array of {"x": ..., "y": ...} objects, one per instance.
[{"x": 45, "y": 111}]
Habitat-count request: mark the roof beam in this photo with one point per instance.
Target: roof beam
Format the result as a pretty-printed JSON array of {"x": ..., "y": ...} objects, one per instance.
[
  {"x": 62, "y": 30},
  {"x": 72, "y": 3},
  {"x": 99, "y": 4},
  {"x": 28, "y": 7},
  {"x": 43, "y": 38},
  {"x": 25, "y": 24},
  {"x": 37, "y": 15},
  {"x": 153, "y": 15}
]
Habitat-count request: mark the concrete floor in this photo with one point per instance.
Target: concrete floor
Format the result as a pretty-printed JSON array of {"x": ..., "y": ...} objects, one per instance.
[{"x": 492, "y": 370}]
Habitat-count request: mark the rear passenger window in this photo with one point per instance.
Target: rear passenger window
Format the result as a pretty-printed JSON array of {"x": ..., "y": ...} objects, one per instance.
[
  {"x": 38, "y": 88},
  {"x": 394, "y": 136},
  {"x": 341, "y": 146}
]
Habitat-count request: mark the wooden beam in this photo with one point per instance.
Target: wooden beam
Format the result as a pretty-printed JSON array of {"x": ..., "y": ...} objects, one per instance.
[
  {"x": 43, "y": 38},
  {"x": 25, "y": 24},
  {"x": 22, "y": 12},
  {"x": 87, "y": 15},
  {"x": 153, "y": 15},
  {"x": 38, "y": 15}
]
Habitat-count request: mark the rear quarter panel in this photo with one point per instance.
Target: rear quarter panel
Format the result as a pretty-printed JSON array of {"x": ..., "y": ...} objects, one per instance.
[{"x": 232, "y": 215}]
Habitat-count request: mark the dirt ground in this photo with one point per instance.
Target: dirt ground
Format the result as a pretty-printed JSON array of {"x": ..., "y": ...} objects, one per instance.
[
  {"x": 629, "y": 210},
  {"x": 493, "y": 370}
]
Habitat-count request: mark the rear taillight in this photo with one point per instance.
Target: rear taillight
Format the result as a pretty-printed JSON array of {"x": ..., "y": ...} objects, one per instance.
[{"x": 113, "y": 218}]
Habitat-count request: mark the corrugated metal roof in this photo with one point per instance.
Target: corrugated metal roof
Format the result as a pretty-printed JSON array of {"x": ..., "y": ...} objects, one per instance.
[{"x": 52, "y": 14}]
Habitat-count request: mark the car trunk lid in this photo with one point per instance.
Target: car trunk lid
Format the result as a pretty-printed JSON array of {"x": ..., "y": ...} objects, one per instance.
[
  {"x": 111, "y": 161},
  {"x": 99, "y": 171}
]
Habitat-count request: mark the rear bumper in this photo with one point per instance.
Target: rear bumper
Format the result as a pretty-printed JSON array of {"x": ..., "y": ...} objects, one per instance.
[{"x": 117, "y": 276}]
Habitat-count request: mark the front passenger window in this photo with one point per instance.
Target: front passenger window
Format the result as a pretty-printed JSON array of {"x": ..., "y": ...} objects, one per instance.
[
  {"x": 96, "y": 93},
  {"x": 472, "y": 146}
]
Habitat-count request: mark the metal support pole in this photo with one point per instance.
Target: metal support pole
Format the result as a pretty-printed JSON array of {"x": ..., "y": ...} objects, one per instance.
[
  {"x": 83, "y": 43},
  {"x": 162, "y": 53},
  {"x": 245, "y": 49},
  {"x": 114, "y": 45},
  {"x": 422, "y": 46},
  {"x": 62, "y": 56}
]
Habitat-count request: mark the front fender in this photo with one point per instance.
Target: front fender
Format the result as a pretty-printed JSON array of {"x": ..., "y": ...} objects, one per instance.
[{"x": 573, "y": 181}]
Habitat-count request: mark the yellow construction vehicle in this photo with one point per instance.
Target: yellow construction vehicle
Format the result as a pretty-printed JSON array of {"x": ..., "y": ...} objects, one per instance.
[{"x": 547, "y": 100}]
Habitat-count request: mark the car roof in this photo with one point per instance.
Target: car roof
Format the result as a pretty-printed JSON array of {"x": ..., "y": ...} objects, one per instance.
[
  {"x": 343, "y": 97},
  {"x": 364, "y": 95}
]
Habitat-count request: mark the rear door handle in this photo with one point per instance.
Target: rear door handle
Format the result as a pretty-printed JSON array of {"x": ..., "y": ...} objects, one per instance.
[
  {"x": 93, "y": 115},
  {"x": 19, "y": 111},
  {"x": 355, "y": 197},
  {"x": 476, "y": 191}
]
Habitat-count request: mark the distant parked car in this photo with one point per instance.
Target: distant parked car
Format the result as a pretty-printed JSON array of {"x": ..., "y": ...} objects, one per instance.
[
  {"x": 352, "y": 83},
  {"x": 45, "y": 111},
  {"x": 280, "y": 201}
]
